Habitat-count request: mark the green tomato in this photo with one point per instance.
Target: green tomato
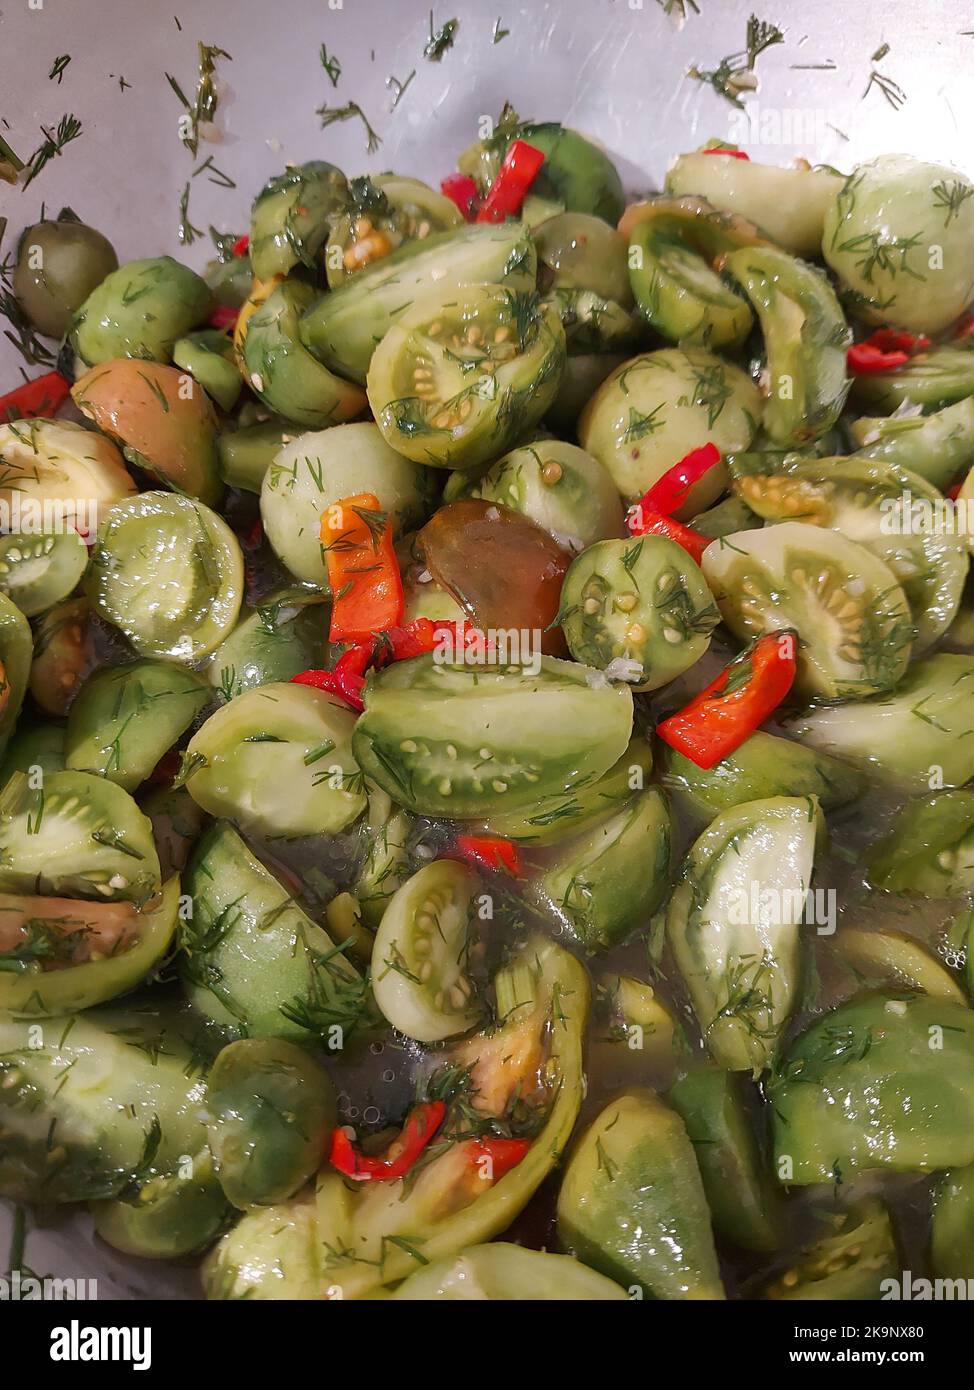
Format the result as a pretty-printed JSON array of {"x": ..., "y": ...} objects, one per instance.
[
  {"x": 805, "y": 338},
  {"x": 655, "y": 408},
  {"x": 292, "y": 215},
  {"x": 460, "y": 378},
  {"x": 850, "y": 1264},
  {"x": 899, "y": 237},
  {"x": 246, "y": 454},
  {"x": 270, "y": 1110},
  {"x": 208, "y": 357},
  {"x": 632, "y": 1203},
  {"x": 16, "y": 646},
  {"x": 58, "y": 265},
  {"x": 639, "y": 609},
  {"x": 734, "y": 924},
  {"x": 932, "y": 380},
  {"x": 35, "y": 747},
  {"x": 385, "y": 866},
  {"x": 592, "y": 323},
  {"x": 878, "y": 1083},
  {"x": 576, "y": 174},
  {"x": 168, "y": 572},
  {"x": 140, "y": 310},
  {"x": 382, "y": 213},
  {"x": 934, "y": 447},
  {"x": 343, "y": 328},
  {"x": 252, "y": 961},
  {"x": 271, "y": 1253},
  {"x": 63, "y": 655},
  {"x": 577, "y": 251},
  {"x": 930, "y": 849},
  {"x": 789, "y": 204},
  {"x": 169, "y": 1217},
  {"x": 725, "y": 518},
  {"x": 277, "y": 760},
  {"x": 451, "y": 739},
  {"x": 38, "y": 570},
  {"x": 75, "y": 836},
  {"x": 419, "y": 959},
  {"x": 851, "y": 616},
  {"x": 893, "y": 960},
  {"x": 952, "y": 1226},
  {"x": 500, "y": 1271},
  {"x": 285, "y": 634},
  {"x": 315, "y": 470},
  {"x": 61, "y": 469}
]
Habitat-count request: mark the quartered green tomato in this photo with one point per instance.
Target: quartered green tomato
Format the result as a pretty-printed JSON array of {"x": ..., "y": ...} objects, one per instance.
[
  {"x": 65, "y": 470},
  {"x": 632, "y": 1203},
  {"x": 720, "y": 1116},
  {"x": 283, "y": 372},
  {"x": 246, "y": 454},
  {"x": 504, "y": 1272},
  {"x": 343, "y": 328},
  {"x": 16, "y": 646},
  {"x": 230, "y": 279},
  {"x": 176, "y": 825},
  {"x": 609, "y": 882},
  {"x": 577, "y": 251},
  {"x": 63, "y": 655},
  {"x": 892, "y": 960},
  {"x": 34, "y": 746},
  {"x": 39, "y": 569},
  {"x": 168, "y": 573},
  {"x": 208, "y": 357},
  {"x": 952, "y": 1226},
  {"x": 850, "y": 1264},
  {"x": 935, "y": 447},
  {"x": 805, "y": 338},
  {"x": 655, "y": 408},
  {"x": 315, "y": 470},
  {"x": 734, "y": 924},
  {"x": 763, "y": 766},
  {"x": 169, "y": 1217},
  {"x": 124, "y": 718},
  {"x": 252, "y": 961},
  {"x": 76, "y": 835},
  {"x": 118, "y": 947},
  {"x": 277, "y": 760},
  {"x": 576, "y": 174},
  {"x": 58, "y": 265},
  {"x": 560, "y": 487},
  {"x": 899, "y": 237},
  {"x": 419, "y": 960},
  {"x": 789, "y": 204},
  {"x": 879, "y": 1083},
  {"x": 285, "y": 634},
  {"x": 932, "y": 380},
  {"x": 381, "y": 214},
  {"x": 90, "y": 1069},
  {"x": 469, "y": 740},
  {"x": 461, "y": 376},
  {"x": 918, "y": 732},
  {"x": 593, "y": 323},
  {"x": 639, "y": 609},
  {"x": 140, "y": 310},
  {"x": 930, "y": 849},
  {"x": 878, "y": 506},
  {"x": 385, "y": 866},
  {"x": 638, "y": 1040},
  {"x": 677, "y": 249},
  {"x": 851, "y": 616},
  {"x": 292, "y": 215},
  {"x": 270, "y": 1110}
]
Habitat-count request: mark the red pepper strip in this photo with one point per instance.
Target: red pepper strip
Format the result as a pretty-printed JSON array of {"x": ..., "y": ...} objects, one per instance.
[
  {"x": 884, "y": 351},
  {"x": 734, "y": 154},
  {"x": 42, "y": 396},
  {"x": 223, "y": 316},
  {"x": 461, "y": 189},
  {"x": 510, "y": 187},
  {"x": 720, "y": 718},
  {"x": 490, "y": 852},
  {"x": 422, "y": 1122},
  {"x": 347, "y": 680},
  {"x": 669, "y": 492},
  {"x": 241, "y": 246},
  {"x": 501, "y": 1154},
  {"x": 362, "y": 568},
  {"x": 655, "y": 524}
]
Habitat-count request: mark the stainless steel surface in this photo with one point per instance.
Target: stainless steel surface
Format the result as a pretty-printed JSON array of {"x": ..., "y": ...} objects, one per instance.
[{"x": 616, "y": 69}]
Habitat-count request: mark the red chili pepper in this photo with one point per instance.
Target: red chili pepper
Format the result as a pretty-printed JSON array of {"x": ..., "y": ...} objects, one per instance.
[
  {"x": 224, "y": 316},
  {"x": 366, "y": 586},
  {"x": 733, "y": 154},
  {"x": 669, "y": 492},
  {"x": 720, "y": 718},
  {"x": 655, "y": 524},
  {"x": 422, "y": 1122},
  {"x": 501, "y": 1154},
  {"x": 241, "y": 246},
  {"x": 461, "y": 189},
  {"x": 490, "y": 852},
  {"x": 514, "y": 178},
  {"x": 884, "y": 351},
  {"x": 346, "y": 680},
  {"x": 42, "y": 396}
]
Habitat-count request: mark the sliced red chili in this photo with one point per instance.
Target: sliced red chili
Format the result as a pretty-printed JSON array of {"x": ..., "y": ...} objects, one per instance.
[
  {"x": 366, "y": 586},
  {"x": 501, "y": 1154},
  {"x": 732, "y": 154},
  {"x": 422, "y": 1122},
  {"x": 461, "y": 189},
  {"x": 669, "y": 492},
  {"x": 721, "y": 717},
  {"x": 346, "y": 679},
  {"x": 223, "y": 316},
  {"x": 42, "y": 396},
  {"x": 512, "y": 182},
  {"x": 884, "y": 351},
  {"x": 241, "y": 246},
  {"x": 490, "y": 852},
  {"x": 655, "y": 524}
]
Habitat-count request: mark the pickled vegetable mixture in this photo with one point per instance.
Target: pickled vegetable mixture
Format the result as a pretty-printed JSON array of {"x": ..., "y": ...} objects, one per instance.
[{"x": 486, "y": 723}]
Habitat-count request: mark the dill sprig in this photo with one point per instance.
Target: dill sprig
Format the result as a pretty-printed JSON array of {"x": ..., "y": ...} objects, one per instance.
[
  {"x": 499, "y": 32},
  {"x": 58, "y": 66},
  {"x": 735, "y": 73},
  {"x": 68, "y": 129},
  {"x": 682, "y": 8},
  {"x": 187, "y": 233},
  {"x": 204, "y": 105},
  {"x": 331, "y": 64},
  {"x": 891, "y": 90},
  {"x": 440, "y": 40},
  {"x": 951, "y": 195},
  {"x": 398, "y": 88},
  {"x": 350, "y": 111}
]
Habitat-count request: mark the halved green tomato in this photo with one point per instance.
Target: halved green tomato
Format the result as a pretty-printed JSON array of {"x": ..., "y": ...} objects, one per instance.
[
  {"x": 848, "y": 1265},
  {"x": 381, "y": 214},
  {"x": 937, "y": 447},
  {"x": 448, "y": 738},
  {"x": 170, "y": 1216},
  {"x": 343, "y": 327},
  {"x": 874, "y": 504},
  {"x": 464, "y": 374},
  {"x": 63, "y": 655},
  {"x": 168, "y": 572},
  {"x": 66, "y": 471},
  {"x": 638, "y": 609},
  {"x": 291, "y": 216},
  {"x": 38, "y": 570},
  {"x": 892, "y": 960},
  {"x": 125, "y": 718},
  {"x": 577, "y": 251},
  {"x": 851, "y": 616},
  {"x": 285, "y": 634},
  {"x": 208, "y": 357},
  {"x": 277, "y": 759},
  {"x": 419, "y": 959},
  {"x": 96, "y": 950},
  {"x": 16, "y": 645},
  {"x": 503, "y": 1272},
  {"x": 593, "y": 323},
  {"x": 283, "y": 372},
  {"x": 805, "y": 337},
  {"x": 75, "y": 835}
]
